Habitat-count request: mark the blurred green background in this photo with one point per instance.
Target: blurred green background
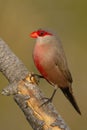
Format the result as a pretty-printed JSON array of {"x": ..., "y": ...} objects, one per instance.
[{"x": 68, "y": 18}]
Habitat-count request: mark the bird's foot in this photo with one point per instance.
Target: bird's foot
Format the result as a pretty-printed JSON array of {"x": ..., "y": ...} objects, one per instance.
[
  {"x": 48, "y": 100},
  {"x": 34, "y": 78}
]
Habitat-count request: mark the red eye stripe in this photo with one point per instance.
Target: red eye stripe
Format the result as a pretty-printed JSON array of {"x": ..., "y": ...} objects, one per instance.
[
  {"x": 43, "y": 33},
  {"x": 40, "y": 33}
]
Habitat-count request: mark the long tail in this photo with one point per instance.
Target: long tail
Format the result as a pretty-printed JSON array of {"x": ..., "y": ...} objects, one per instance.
[{"x": 71, "y": 98}]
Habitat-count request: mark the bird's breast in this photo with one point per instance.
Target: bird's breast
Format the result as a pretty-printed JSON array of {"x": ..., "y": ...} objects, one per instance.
[{"x": 42, "y": 57}]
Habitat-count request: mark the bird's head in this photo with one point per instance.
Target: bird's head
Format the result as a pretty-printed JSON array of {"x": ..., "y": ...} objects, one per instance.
[
  {"x": 40, "y": 33},
  {"x": 44, "y": 37}
]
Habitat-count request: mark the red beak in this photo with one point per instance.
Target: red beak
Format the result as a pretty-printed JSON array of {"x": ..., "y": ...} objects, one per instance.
[{"x": 33, "y": 34}]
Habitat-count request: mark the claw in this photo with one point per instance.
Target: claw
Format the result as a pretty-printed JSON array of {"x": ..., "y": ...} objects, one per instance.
[
  {"x": 46, "y": 102},
  {"x": 49, "y": 99},
  {"x": 33, "y": 78}
]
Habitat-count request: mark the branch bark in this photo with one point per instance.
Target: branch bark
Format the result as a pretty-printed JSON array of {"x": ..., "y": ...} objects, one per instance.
[{"x": 26, "y": 93}]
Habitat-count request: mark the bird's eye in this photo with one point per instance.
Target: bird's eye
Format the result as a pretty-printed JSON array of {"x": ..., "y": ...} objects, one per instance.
[{"x": 41, "y": 33}]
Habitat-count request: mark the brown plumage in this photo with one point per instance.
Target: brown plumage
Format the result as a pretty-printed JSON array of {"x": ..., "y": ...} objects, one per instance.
[{"x": 50, "y": 60}]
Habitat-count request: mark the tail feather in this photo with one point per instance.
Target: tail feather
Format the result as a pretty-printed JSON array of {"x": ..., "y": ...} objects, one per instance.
[{"x": 71, "y": 98}]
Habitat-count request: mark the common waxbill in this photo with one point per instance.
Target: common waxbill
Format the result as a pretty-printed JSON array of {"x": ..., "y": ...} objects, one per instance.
[{"x": 50, "y": 60}]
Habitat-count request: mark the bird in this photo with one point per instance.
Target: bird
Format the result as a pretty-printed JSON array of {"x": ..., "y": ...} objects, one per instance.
[{"x": 50, "y": 60}]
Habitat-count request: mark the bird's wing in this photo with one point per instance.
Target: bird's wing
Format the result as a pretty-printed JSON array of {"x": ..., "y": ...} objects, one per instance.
[{"x": 61, "y": 62}]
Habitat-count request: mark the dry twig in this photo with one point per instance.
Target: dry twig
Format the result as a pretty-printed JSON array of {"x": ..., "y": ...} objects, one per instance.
[{"x": 24, "y": 88}]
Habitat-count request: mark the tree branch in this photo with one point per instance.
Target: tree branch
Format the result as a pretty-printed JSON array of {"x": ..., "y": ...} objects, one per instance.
[{"x": 24, "y": 88}]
